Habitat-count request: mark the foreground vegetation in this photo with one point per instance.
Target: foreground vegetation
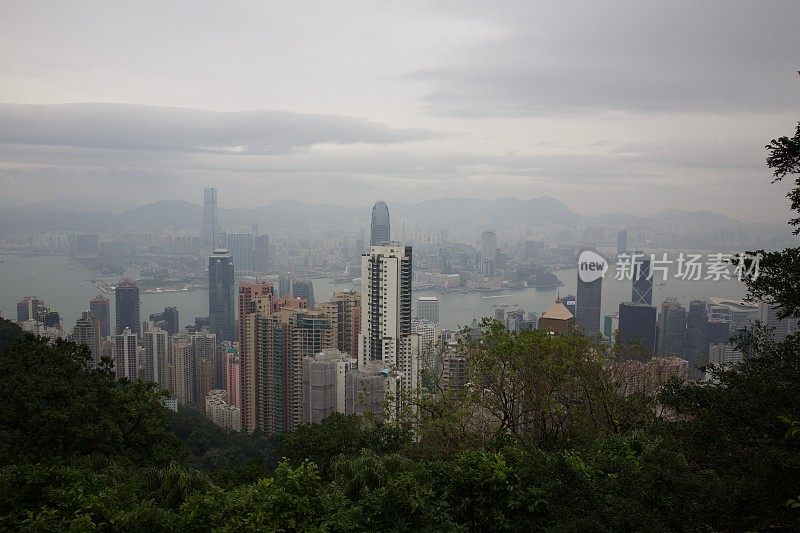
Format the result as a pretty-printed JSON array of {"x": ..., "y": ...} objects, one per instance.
[
  {"x": 83, "y": 451},
  {"x": 542, "y": 440}
]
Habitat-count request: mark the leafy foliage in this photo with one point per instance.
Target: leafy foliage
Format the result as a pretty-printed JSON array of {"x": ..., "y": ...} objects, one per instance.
[
  {"x": 778, "y": 278},
  {"x": 9, "y": 332},
  {"x": 55, "y": 406}
]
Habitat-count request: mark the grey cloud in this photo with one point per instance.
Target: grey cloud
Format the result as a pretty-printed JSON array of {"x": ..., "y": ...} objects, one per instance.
[
  {"x": 561, "y": 58},
  {"x": 665, "y": 162},
  {"x": 151, "y": 128}
]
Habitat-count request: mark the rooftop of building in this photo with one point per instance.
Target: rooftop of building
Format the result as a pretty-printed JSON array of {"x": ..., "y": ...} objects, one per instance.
[{"x": 557, "y": 311}]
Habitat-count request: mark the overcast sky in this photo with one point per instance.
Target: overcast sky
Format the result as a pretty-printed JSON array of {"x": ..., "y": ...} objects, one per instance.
[{"x": 608, "y": 106}]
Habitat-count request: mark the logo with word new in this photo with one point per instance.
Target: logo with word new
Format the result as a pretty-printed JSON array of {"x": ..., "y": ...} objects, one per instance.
[{"x": 591, "y": 266}]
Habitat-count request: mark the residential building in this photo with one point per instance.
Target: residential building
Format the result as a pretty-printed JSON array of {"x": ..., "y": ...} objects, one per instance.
[
  {"x": 156, "y": 363},
  {"x": 385, "y": 335},
  {"x": 126, "y": 361},
  {"x": 324, "y": 384}
]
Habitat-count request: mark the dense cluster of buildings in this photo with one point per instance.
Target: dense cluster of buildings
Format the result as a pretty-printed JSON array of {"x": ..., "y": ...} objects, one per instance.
[{"x": 268, "y": 356}]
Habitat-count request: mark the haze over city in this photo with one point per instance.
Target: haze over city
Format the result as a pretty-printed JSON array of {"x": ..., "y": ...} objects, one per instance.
[
  {"x": 399, "y": 266},
  {"x": 324, "y": 103}
]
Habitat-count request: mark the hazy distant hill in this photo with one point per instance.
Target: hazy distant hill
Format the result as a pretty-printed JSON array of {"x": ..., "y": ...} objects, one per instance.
[
  {"x": 291, "y": 214},
  {"x": 168, "y": 214},
  {"x": 682, "y": 217},
  {"x": 667, "y": 217},
  {"x": 500, "y": 213}
]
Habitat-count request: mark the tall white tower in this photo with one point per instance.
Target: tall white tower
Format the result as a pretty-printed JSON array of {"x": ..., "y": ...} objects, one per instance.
[
  {"x": 126, "y": 355},
  {"x": 386, "y": 312},
  {"x": 156, "y": 356}
]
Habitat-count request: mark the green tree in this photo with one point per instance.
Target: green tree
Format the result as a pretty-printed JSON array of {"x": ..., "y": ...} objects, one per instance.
[
  {"x": 777, "y": 280},
  {"x": 55, "y": 406},
  {"x": 548, "y": 389},
  {"x": 339, "y": 435},
  {"x": 293, "y": 499},
  {"x": 9, "y": 332}
]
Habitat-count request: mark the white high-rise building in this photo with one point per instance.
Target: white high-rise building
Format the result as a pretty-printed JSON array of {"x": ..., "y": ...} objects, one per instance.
[
  {"x": 126, "y": 364},
  {"x": 386, "y": 335},
  {"x": 156, "y": 355},
  {"x": 429, "y": 339},
  {"x": 324, "y": 384},
  {"x": 428, "y": 308}
]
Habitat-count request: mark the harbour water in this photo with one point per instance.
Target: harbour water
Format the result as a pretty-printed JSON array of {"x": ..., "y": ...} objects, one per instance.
[{"x": 65, "y": 285}]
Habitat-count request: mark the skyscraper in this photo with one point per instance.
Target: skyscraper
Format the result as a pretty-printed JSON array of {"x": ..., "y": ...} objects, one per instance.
[
  {"x": 221, "y": 310},
  {"x": 622, "y": 241},
  {"x": 385, "y": 335},
  {"x": 181, "y": 369},
  {"x": 126, "y": 364},
  {"x": 719, "y": 332},
  {"x": 241, "y": 250},
  {"x": 488, "y": 245},
  {"x": 696, "y": 337},
  {"x": 252, "y": 297},
  {"x": 101, "y": 310},
  {"x": 637, "y": 324},
  {"x": 324, "y": 384},
  {"x": 167, "y": 320},
  {"x": 430, "y": 334},
  {"x": 283, "y": 339},
  {"x": 204, "y": 352},
  {"x": 87, "y": 331},
  {"x": 285, "y": 285},
  {"x": 210, "y": 221},
  {"x": 304, "y": 288},
  {"x": 379, "y": 228},
  {"x": 672, "y": 329},
  {"x": 642, "y": 289},
  {"x": 28, "y": 309},
  {"x": 126, "y": 303},
  {"x": 343, "y": 310},
  {"x": 587, "y": 307},
  {"x": 156, "y": 356},
  {"x": 428, "y": 308},
  {"x": 232, "y": 376},
  {"x": 261, "y": 256}
]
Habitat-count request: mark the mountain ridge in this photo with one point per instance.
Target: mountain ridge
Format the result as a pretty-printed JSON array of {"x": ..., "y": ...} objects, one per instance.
[{"x": 500, "y": 213}]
